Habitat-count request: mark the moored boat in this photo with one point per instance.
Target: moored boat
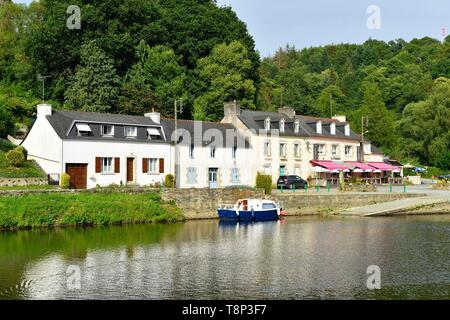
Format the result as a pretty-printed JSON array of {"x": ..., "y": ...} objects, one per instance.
[{"x": 250, "y": 210}]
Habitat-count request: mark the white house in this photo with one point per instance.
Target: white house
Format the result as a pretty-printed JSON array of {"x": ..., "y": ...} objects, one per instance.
[
  {"x": 209, "y": 154},
  {"x": 99, "y": 149}
]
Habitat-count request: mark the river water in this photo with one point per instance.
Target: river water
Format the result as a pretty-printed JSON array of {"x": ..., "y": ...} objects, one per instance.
[{"x": 297, "y": 258}]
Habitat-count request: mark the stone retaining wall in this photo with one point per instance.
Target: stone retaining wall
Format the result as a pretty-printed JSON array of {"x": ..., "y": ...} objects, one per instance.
[
  {"x": 12, "y": 182},
  {"x": 203, "y": 203}
]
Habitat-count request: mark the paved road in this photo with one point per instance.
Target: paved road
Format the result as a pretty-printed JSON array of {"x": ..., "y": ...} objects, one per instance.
[{"x": 433, "y": 197}]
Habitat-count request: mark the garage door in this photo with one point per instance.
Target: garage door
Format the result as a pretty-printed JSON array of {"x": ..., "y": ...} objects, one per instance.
[{"x": 78, "y": 175}]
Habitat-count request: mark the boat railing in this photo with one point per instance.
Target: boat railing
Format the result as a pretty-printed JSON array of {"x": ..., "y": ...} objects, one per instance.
[{"x": 226, "y": 206}]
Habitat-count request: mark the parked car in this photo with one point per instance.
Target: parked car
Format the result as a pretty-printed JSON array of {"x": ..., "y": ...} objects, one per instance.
[
  {"x": 287, "y": 182},
  {"x": 445, "y": 177}
]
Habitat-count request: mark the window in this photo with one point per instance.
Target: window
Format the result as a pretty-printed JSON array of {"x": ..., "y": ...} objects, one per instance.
[
  {"x": 233, "y": 152},
  {"x": 153, "y": 134},
  {"x": 283, "y": 150},
  {"x": 107, "y": 130},
  {"x": 83, "y": 129},
  {"x": 267, "y": 169},
  {"x": 153, "y": 165},
  {"x": 267, "y": 149},
  {"x": 319, "y": 127},
  {"x": 192, "y": 175},
  {"x": 131, "y": 132},
  {"x": 269, "y": 206},
  {"x": 334, "y": 149},
  {"x": 282, "y": 125},
  {"x": 333, "y": 128},
  {"x": 321, "y": 148},
  {"x": 267, "y": 124},
  {"x": 191, "y": 151},
  {"x": 213, "y": 151},
  {"x": 347, "y": 130},
  {"x": 296, "y": 150},
  {"x": 234, "y": 175},
  {"x": 296, "y": 126},
  {"x": 348, "y": 150},
  {"x": 107, "y": 165},
  {"x": 297, "y": 171}
]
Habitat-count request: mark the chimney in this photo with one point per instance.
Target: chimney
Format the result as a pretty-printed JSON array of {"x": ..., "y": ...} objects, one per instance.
[
  {"x": 290, "y": 112},
  {"x": 231, "y": 109},
  {"x": 155, "y": 116},
  {"x": 340, "y": 118},
  {"x": 44, "y": 110}
]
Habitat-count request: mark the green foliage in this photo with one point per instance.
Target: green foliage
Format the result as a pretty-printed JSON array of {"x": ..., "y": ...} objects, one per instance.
[
  {"x": 6, "y": 123},
  {"x": 169, "y": 181},
  {"x": 6, "y": 145},
  {"x": 95, "y": 86},
  {"x": 38, "y": 210},
  {"x": 26, "y": 170},
  {"x": 24, "y": 151},
  {"x": 264, "y": 181},
  {"x": 15, "y": 157},
  {"x": 64, "y": 181},
  {"x": 226, "y": 76}
]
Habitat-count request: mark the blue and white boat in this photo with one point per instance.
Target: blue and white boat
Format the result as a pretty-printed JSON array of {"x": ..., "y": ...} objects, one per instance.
[{"x": 250, "y": 210}]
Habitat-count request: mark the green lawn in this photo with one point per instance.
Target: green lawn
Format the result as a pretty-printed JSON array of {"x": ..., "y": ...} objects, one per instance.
[
  {"x": 27, "y": 170},
  {"x": 31, "y": 187},
  {"x": 102, "y": 208}
]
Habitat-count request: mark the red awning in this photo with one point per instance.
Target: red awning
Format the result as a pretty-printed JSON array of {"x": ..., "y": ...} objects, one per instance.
[
  {"x": 359, "y": 165},
  {"x": 330, "y": 165},
  {"x": 383, "y": 166}
]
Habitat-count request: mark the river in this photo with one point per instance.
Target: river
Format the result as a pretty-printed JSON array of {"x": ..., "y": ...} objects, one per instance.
[{"x": 297, "y": 258}]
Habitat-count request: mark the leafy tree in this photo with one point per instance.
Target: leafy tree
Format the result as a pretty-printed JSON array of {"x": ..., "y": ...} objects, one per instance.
[
  {"x": 155, "y": 81},
  {"x": 331, "y": 99},
  {"x": 95, "y": 85},
  {"x": 6, "y": 123},
  {"x": 226, "y": 77}
]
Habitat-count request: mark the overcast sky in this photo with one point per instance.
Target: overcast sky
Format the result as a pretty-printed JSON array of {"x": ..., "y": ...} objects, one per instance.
[{"x": 305, "y": 23}]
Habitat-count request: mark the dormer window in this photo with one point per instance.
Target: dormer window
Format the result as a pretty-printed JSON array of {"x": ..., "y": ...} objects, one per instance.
[
  {"x": 153, "y": 134},
  {"x": 297, "y": 126},
  {"x": 333, "y": 128},
  {"x": 83, "y": 129},
  {"x": 107, "y": 130},
  {"x": 282, "y": 125},
  {"x": 347, "y": 130},
  {"x": 267, "y": 124},
  {"x": 319, "y": 127},
  {"x": 131, "y": 132}
]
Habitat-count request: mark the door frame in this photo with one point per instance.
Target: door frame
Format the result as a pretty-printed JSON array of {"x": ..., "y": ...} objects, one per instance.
[
  {"x": 134, "y": 170},
  {"x": 217, "y": 178}
]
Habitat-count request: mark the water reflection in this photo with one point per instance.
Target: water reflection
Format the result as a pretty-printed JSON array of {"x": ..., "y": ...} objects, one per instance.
[{"x": 295, "y": 258}]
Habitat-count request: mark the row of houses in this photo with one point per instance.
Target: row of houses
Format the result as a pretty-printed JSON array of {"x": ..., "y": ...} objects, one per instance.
[{"x": 103, "y": 149}]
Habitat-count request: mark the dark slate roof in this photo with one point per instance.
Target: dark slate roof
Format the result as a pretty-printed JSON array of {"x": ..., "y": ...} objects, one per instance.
[
  {"x": 255, "y": 120},
  {"x": 228, "y": 134},
  {"x": 63, "y": 122},
  {"x": 375, "y": 150}
]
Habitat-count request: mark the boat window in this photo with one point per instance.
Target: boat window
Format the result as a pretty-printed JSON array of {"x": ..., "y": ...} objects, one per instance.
[{"x": 268, "y": 206}]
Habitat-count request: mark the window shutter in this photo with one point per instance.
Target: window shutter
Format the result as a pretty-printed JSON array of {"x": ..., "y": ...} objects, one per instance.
[
  {"x": 161, "y": 165},
  {"x": 98, "y": 164},
  {"x": 117, "y": 165},
  {"x": 144, "y": 165}
]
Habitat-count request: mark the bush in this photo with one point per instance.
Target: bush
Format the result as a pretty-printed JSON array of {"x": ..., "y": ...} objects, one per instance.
[
  {"x": 15, "y": 157},
  {"x": 24, "y": 151},
  {"x": 169, "y": 181},
  {"x": 64, "y": 182},
  {"x": 264, "y": 181},
  {"x": 6, "y": 123},
  {"x": 6, "y": 145}
]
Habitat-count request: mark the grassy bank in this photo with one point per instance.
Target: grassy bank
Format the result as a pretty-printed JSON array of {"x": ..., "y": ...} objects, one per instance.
[
  {"x": 103, "y": 208},
  {"x": 26, "y": 170}
]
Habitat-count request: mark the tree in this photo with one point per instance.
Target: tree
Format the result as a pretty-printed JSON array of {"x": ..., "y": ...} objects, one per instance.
[
  {"x": 381, "y": 123},
  {"x": 226, "y": 77},
  {"x": 6, "y": 123},
  {"x": 95, "y": 85},
  {"x": 331, "y": 101},
  {"x": 155, "y": 81}
]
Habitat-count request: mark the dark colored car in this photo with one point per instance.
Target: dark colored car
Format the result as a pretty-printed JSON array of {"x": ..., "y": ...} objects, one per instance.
[
  {"x": 287, "y": 182},
  {"x": 445, "y": 177}
]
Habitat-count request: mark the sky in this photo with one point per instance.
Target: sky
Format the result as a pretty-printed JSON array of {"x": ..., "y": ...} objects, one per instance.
[{"x": 306, "y": 23}]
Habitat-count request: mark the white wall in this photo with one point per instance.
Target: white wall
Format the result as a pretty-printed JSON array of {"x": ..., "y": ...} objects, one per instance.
[
  {"x": 44, "y": 146},
  {"x": 76, "y": 151}
]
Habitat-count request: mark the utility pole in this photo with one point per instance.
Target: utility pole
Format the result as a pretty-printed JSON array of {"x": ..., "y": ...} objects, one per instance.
[
  {"x": 176, "y": 110},
  {"x": 42, "y": 78},
  {"x": 364, "y": 119}
]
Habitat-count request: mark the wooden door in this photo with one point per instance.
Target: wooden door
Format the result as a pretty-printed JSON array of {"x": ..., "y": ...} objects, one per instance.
[
  {"x": 78, "y": 175},
  {"x": 130, "y": 169}
]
